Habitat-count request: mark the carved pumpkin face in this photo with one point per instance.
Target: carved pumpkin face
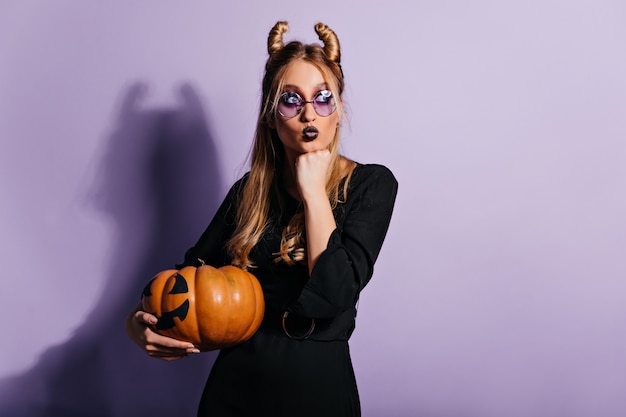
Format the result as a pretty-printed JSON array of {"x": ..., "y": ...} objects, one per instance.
[
  {"x": 210, "y": 307},
  {"x": 172, "y": 287}
]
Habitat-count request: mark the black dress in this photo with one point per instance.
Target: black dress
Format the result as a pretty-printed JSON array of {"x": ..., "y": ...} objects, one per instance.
[{"x": 273, "y": 374}]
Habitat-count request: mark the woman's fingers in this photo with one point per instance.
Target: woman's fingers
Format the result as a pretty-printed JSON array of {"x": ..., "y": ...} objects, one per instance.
[
  {"x": 166, "y": 342},
  {"x": 167, "y": 348},
  {"x": 311, "y": 171},
  {"x": 154, "y": 344},
  {"x": 145, "y": 318}
]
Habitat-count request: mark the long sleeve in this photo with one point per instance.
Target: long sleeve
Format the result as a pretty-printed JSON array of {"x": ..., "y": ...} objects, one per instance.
[{"x": 347, "y": 264}]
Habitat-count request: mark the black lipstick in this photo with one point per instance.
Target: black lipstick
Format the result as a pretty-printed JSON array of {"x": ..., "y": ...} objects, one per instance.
[{"x": 310, "y": 133}]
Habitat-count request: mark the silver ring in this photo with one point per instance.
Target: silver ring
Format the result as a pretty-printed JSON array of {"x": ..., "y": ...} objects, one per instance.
[{"x": 306, "y": 335}]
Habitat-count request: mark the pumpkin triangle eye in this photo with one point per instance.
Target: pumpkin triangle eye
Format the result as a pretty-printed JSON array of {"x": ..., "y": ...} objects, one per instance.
[
  {"x": 147, "y": 292},
  {"x": 180, "y": 285}
]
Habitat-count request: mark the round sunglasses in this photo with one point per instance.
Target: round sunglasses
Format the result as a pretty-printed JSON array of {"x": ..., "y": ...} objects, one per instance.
[{"x": 290, "y": 104}]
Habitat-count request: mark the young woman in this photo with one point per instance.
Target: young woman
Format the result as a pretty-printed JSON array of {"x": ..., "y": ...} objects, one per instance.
[{"x": 309, "y": 224}]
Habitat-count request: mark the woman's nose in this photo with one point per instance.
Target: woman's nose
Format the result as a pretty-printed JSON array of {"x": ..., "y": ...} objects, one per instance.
[{"x": 308, "y": 113}]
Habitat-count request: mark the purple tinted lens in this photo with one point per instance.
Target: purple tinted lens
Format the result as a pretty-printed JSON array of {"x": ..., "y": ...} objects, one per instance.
[
  {"x": 324, "y": 103},
  {"x": 289, "y": 105}
]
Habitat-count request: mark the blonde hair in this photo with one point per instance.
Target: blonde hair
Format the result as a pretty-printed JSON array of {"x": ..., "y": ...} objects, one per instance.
[{"x": 267, "y": 157}]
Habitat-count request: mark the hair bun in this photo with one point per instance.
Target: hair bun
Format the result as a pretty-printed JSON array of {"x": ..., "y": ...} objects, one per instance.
[
  {"x": 275, "y": 37},
  {"x": 330, "y": 40}
]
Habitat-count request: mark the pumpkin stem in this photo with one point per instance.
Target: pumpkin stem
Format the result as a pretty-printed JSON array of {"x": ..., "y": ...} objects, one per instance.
[{"x": 201, "y": 262}]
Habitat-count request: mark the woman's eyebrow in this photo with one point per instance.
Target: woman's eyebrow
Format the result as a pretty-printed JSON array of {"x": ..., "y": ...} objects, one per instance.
[{"x": 295, "y": 87}]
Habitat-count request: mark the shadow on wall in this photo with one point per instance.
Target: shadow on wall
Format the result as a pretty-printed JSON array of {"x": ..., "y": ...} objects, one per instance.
[{"x": 158, "y": 181}]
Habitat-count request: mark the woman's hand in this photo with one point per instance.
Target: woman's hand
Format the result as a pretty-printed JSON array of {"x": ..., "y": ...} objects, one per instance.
[
  {"x": 311, "y": 172},
  {"x": 138, "y": 328}
]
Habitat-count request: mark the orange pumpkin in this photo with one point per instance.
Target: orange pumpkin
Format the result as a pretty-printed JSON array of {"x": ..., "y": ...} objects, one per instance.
[{"x": 212, "y": 308}]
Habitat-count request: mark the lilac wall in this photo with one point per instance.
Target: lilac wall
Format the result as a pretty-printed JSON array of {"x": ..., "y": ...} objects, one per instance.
[{"x": 500, "y": 290}]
